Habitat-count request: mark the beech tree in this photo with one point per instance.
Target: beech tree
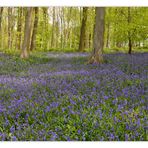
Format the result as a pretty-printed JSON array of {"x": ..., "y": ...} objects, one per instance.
[
  {"x": 9, "y": 27},
  {"x": 53, "y": 29},
  {"x": 1, "y": 12},
  {"x": 98, "y": 39},
  {"x": 19, "y": 28},
  {"x": 82, "y": 42},
  {"x": 27, "y": 33},
  {"x": 32, "y": 46},
  {"x": 129, "y": 31}
]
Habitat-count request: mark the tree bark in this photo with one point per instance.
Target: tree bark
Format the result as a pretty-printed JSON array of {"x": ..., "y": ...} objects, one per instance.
[
  {"x": 45, "y": 38},
  {"x": 19, "y": 28},
  {"x": 53, "y": 29},
  {"x": 90, "y": 38},
  {"x": 57, "y": 30},
  {"x": 64, "y": 28},
  {"x": 27, "y": 33},
  {"x": 68, "y": 31},
  {"x": 1, "y": 12},
  {"x": 108, "y": 35},
  {"x": 9, "y": 27},
  {"x": 61, "y": 23},
  {"x": 82, "y": 42},
  {"x": 33, "y": 44},
  {"x": 129, "y": 32},
  {"x": 98, "y": 39}
]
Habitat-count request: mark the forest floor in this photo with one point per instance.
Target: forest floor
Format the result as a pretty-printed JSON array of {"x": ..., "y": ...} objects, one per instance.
[{"x": 55, "y": 96}]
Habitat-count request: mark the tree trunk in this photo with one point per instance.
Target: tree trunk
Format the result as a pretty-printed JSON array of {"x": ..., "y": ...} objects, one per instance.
[
  {"x": 53, "y": 29},
  {"x": 9, "y": 27},
  {"x": 98, "y": 39},
  {"x": 45, "y": 36},
  {"x": 68, "y": 31},
  {"x": 57, "y": 30},
  {"x": 108, "y": 35},
  {"x": 61, "y": 23},
  {"x": 64, "y": 28},
  {"x": 1, "y": 12},
  {"x": 19, "y": 28},
  {"x": 83, "y": 31},
  {"x": 90, "y": 40},
  {"x": 32, "y": 46},
  {"x": 27, "y": 33},
  {"x": 129, "y": 32}
]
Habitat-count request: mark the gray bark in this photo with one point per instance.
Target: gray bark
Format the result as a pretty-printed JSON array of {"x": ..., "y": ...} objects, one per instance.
[
  {"x": 129, "y": 32},
  {"x": 27, "y": 33},
  {"x": 32, "y": 46},
  {"x": 9, "y": 27},
  {"x": 1, "y": 12},
  {"x": 82, "y": 43},
  {"x": 53, "y": 29},
  {"x": 19, "y": 28},
  {"x": 98, "y": 39}
]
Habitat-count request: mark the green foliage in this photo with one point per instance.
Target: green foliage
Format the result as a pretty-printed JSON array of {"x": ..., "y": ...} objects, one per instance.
[{"x": 65, "y": 30}]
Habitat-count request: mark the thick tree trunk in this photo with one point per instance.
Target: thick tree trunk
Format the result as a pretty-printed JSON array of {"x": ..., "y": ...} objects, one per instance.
[
  {"x": 32, "y": 46},
  {"x": 129, "y": 32},
  {"x": 27, "y": 33},
  {"x": 1, "y": 12},
  {"x": 98, "y": 40},
  {"x": 82, "y": 42}
]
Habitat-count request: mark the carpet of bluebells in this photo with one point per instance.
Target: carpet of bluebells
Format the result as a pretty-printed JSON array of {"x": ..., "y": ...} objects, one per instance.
[{"x": 58, "y": 97}]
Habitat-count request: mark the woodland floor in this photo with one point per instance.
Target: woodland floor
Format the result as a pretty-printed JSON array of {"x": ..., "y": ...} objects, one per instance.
[{"x": 54, "y": 96}]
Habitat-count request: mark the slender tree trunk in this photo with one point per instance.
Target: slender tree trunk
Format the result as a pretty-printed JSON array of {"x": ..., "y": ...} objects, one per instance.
[
  {"x": 90, "y": 35},
  {"x": 108, "y": 35},
  {"x": 45, "y": 36},
  {"x": 1, "y": 12},
  {"x": 57, "y": 30},
  {"x": 80, "y": 14},
  {"x": 9, "y": 27},
  {"x": 68, "y": 37},
  {"x": 129, "y": 32},
  {"x": 64, "y": 29},
  {"x": 32, "y": 46},
  {"x": 98, "y": 40},
  {"x": 27, "y": 33},
  {"x": 13, "y": 23},
  {"x": 53, "y": 29},
  {"x": 19, "y": 28},
  {"x": 61, "y": 23},
  {"x": 82, "y": 42}
]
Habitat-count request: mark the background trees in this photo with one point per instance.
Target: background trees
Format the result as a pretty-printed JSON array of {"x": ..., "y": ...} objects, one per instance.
[{"x": 71, "y": 28}]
